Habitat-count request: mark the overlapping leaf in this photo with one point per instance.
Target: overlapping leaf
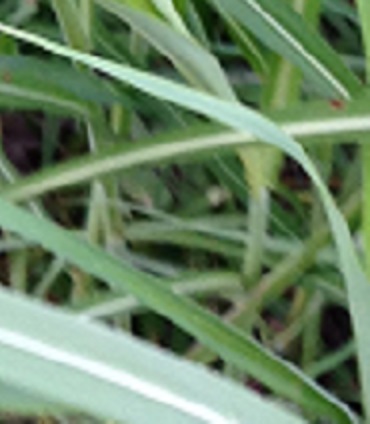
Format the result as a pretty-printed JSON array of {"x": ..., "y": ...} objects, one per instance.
[
  {"x": 286, "y": 32},
  {"x": 241, "y": 119},
  {"x": 68, "y": 362},
  {"x": 27, "y": 82},
  {"x": 308, "y": 123},
  {"x": 192, "y": 60}
]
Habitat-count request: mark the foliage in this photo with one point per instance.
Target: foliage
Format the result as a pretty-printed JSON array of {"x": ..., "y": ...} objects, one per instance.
[{"x": 192, "y": 162}]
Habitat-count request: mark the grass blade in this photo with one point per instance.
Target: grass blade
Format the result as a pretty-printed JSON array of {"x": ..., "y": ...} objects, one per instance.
[
  {"x": 187, "y": 145},
  {"x": 90, "y": 359},
  {"x": 192, "y": 60},
  {"x": 14, "y": 400},
  {"x": 30, "y": 83},
  {"x": 286, "y": 32},
  {"x": 68, "y": 16},
  {"x": 246, "y": 121},
  {"x": 229, "y": 343}
]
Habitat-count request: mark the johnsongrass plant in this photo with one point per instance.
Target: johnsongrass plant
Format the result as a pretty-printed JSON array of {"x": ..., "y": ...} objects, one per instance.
[{"x": 192, "y": 244}]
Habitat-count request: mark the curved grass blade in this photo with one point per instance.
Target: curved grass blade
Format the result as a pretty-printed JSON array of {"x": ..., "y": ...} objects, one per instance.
[
  {"x": 286, "y": 32},
  {"x": 191, "y": 59},
  {"x": 189, "y": 145},
  {"x": 247, "y": 121},
  {"x": 136, "y": 382},
  {"x": 229, "y": 343}
]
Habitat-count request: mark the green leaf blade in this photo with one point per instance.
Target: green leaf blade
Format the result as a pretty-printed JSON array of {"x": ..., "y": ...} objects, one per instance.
[
  {"x": 84, "y": 359},
  {"x": 286, "y": 32}
]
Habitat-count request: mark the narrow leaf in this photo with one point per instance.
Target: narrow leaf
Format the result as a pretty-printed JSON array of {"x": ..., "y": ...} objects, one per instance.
[
  {"x": 286, "y": 32},
  {"x": 195, "y": 63},
  {"x": 27, "y": 82},
  {"x": 68, "y": 361},
  {"x": 246, "y": 121},
  {"x": 228, "y": 342},
  {"x": 312, "y": 122}
]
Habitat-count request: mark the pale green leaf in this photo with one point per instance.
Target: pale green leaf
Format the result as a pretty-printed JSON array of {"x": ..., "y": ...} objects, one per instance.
[
  {"x": 195, "y": 63},
  {"x": 286, "y": 32},
  {"x": 69, "y": 362},
  {"x": 247, "y": 121}
]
